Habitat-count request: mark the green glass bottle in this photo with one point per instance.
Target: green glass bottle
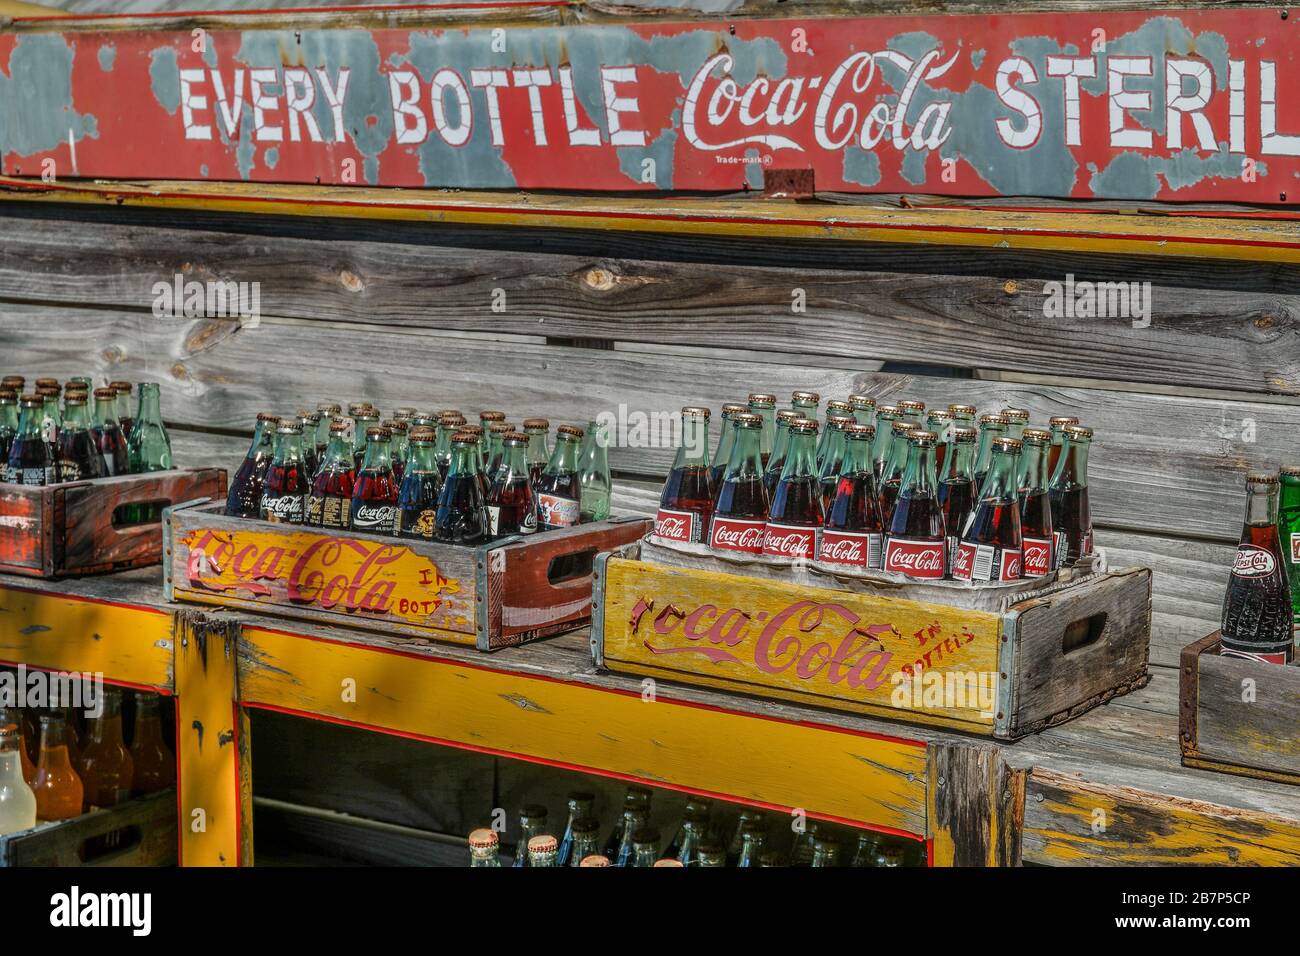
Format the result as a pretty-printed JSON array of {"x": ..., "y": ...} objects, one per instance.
[
  {"x": 594, "y": 479},
  {"x": 830, "y": 437},
  {"x": 8, "y": 421},
  {"x": 585, "y": 833},
  {"x": 633, "y": 820},
  {"x": 764, "y": 406},
  {"x": 532, "y": 821},
  {"x": 31, "y": 458},
  {"x": 726, "y": 440},
  {"x": 1288, "y": 529},
  {"x": 148, "y": 446},
  {"x": 483, "y": 846},
  {"x": 580, "y": 803},
  {"x": 752, "y": 838},
  {"x": 773, "y": 466},
  {"x": 886, "y": 415}
]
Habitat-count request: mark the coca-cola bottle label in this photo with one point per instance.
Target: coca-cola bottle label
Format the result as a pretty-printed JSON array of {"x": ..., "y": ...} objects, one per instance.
[
  {"x": 674, "y": 525},
  {"x": 286, "y": 509},
  {"x": 422, "y": 524},
  {"x": 790, "y": 541},
  {"x": 855, "y": 549},
  {"x": 1061, "y": 546},
  {"x": 329, "y": 511},
  {"x": 744, "y": 535},
  {"x": 375, "y": 518},
  {"x": 1280, "y": 656},
  {"x": 985, "y": 562},
  {"x": 915, "y": 558},
  {"x": 1037, "y": 558},
  {"x": 557, "y": 512},
  {"x": 70, "y": 470},
  {"x": 527, "y": 523}
]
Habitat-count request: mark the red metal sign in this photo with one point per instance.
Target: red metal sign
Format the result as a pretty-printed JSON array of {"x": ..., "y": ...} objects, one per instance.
[{"x": 1196, "y": 105}]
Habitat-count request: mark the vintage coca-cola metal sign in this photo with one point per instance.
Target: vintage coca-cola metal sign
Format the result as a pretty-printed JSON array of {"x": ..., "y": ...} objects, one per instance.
[{"x": 1184, "y": 105}]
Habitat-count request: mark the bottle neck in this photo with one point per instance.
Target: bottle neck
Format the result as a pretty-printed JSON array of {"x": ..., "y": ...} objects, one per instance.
[
  {"x": 421, "y": 458},
  {"x": 857, "y": 456},
  {"x": 288, "y": 449},
  {"x": 75, "y": 417},
  {"x": 1261, "y": 505},
  {"x": 1033, "y": 469},
  {"x": 564, "y": 459},
  {"x": 1072, "y": 467},
  {"x": 464, "y": 459},
  {"x": 512, "y": 462},
  {"x": 29, "y": 424},
  {"x": 918, "y": 476},
  {"x": 9, "y": 416},
  {"x": 779, "y": 445},
  {"x": 694, "y": 449},
  {"x": 1000, "y": 482},
  {"x": 884, "y": 440},
  {"x": 896, "y": 459},
  {"x": 54, "y": 744},
  {"x": 537, "y": 452},
  {"x": 106, "y": 413},
  {"x": 767, "y": 437},
  {"x": 378, "y": 456},
  {"x": 985, "y": 454},
  {"x": 726, "y": 441},
  {"x": 835, "y": 445},
  {"x": 338, "y": 455},
  {"x": 150, "y": 404},
  {"x": 746, "y": 459},
  {"x": 123, "y": 403},
  {"x": 959, "y": 462},
  {"x": 801, "y": 455}
]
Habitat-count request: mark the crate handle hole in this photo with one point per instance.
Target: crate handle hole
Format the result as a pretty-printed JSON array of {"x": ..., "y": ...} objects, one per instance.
[
  {"x": 1083, "y": 633},
  {"x": 571, "y": 567},
  {"x": 109, "y": 844},
  {"x": 139, "y": 513}
]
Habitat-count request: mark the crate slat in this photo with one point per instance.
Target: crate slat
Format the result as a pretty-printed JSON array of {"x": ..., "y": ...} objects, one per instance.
[{"x": 143, "y": 829}]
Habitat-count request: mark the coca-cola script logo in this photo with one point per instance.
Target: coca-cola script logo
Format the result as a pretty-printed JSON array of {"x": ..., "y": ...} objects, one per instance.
[
  {"x": 737, "y": 534},
  {"x": 1252, "y": 562},
  {"x": 675, "y": 525},
  {"x": 373, "y": 516},
  {"x": 286, "y": 508},
  {"x": 787, "y": 541},
  {"x": 327, "y": 572},
  {"x": 848, "y": 548},
  {"x": 916, "y": 559},
  {"x": 1036, "y": 559}
]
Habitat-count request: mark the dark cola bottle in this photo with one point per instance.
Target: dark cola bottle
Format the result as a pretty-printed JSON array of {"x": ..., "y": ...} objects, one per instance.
[
  {"x": 764, "y": 406},
  {"x": 449, "y": 422},
  {"x": 796, "y": 514},
  {"x": 740, "y": 512},
  {"x": 244, "y": 499},
  {"x": 1036, "y": 528},
  {"x": 828, "y": 469},
  {"x": 284, "y": 492},
  {"x": 776, "y": 461},
  {"x": 8, "y": 423},
  {"x": 991, "y": 427},
  {"x": 511, "y": 504},
  {"x": 886, "y": 415},
  {"x": 1257, "y": 606},
  {"x": 400, "y": 446},
  {"x": 462, "y": 512},
  {"x": 107, "y": 434},
  {"x": 31, "y": 461},
  {"x": 374, "y": 496},
  {"x": 309, "y": 422},
  {"x": 957, "y": 488},
  {"x": 915, "y": 541},
  {"x": 364, "y": 418},
  {"x": 419, "y": 490},
  {"x": 559, "y": 486},
  {"x": 496, "y": 447},
  {"x": 125, "y": 412},
  {"x": 726, "y": 441},
  {"x": 853, "y": 535},
  {"x": 1071, "y": 510},
  {"x": 938, "y": 420},
  {"x": 991, "y": 542},
  {"x": 79, "y": 458},
  {"x": 538, "y": 452},
  {"x": 330, "y": 503},
  {"x": 686, "y": 504},
  {"x": 1057, "y": 426},
  {"x": 890, "y": 477}
]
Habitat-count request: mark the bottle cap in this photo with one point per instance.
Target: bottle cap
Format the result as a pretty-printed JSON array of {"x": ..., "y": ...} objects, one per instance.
[
  {"x": 1261, "y": 478},
  {"x": 395, "y": 425},
  {"x": 911, "y": 405},
  {"x": 840, "y": 422},
  {"x": 406, "y": 411},
  {"x": 1036, "y": 436},
  {"x": 805, "y": 398},
  {"x": 1289, "y": 471},
  {"x": 288, "y": 427},
  {"x": 804, "y": 426},
  {"x": 1061, "y": 421},
  {"x": 731, "y": 408},
  {"x": 473, "y": 428},
  {"x": 1078, "y": 432},
  {"x": 483, "y": 839},
  {"x": 963, "y": 434},
  {"x": 644, "y": 835},
  {"x": 901, "y": 427},
  {"x": 10, "y": 397},
  {"x": 329, "y": 408},
  {"x": 787, "y": 415},
  {"x": 537, "y": 424},
  {"x": 922, "y": 437},
  {"x": 74, "y": 398},
  {"x": 747, "y": 420},
  {"x": 500, "y": 428},
  {"x": 572, "y": 431},
  {"x": 542, "y": 843},
  {"x": 47, "y": 383},
  {"x": 938, "y": 414},
  {"x": 491, "y": 416},
  {"x": 669, "y": 863},
  {"x": 1006, "y": 444},
  {"x": 862, "y": 401},
  {"x": 32, "y": 401},
  {"x": 586, "y": 825},
  {"x": 105, "y": 393},
  {"x": 462, "y": 437},
  {"x": 993, "y": 419},
  {"x": 1016, "y": 414},
  {"x": 761, "y": 398},
  {"x": 696, "y": 411},
  {"x": 963, "y": 410},
  {"x": 514, "y": 438},
  {"x": 421, "y": 434},
  {"x": 836, "y": 405},
  {"x": 858, "y": 432},
  {"x": 378, "y": 433},
  {"x": 596, "y": 859},
  {"x": 122, "y": 388},
  {"x": 338, "y": 427}
]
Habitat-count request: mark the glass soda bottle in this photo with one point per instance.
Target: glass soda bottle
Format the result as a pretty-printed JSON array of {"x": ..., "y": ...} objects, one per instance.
[
  {"x": 637, "y": 799},
  {"x": 764, "y": 406},
  {"x": 59, "y": 794},
  {"x": 374, "y": 496},
  {"x": 309, "y": 422},
  {"x": 418, "y": 493},
  {"x": 580, "y": 804},
  {"x": 31, "y": 461},
  {"x": 1257, "y": 606},
  {"x": 957, "y": 484},
  {"x": 1071, "y": 511},
  {"x": 776, "y": 463},
  {"x": 806, "y": 404},
  {"x": 148, "y": 446},
  {"x": 645, "y": 847},
  {"x": 886, "y": 415},
  {"x": 963, "y": 415},
  {"x": 991, "y": 427},
  {"x": 399, "y": 447},
  {"x": 747, "y": 817},
  {"x": 541, "y": 850},
  {"x": 483, "y": 846},
  {"x": 17, "y": 801},
  {"x": 538, "y": 452},
  {"x": 105, "y": 767},
  {"x": 532, "y": 821},
  {"x": 740, "y": 512},
  {"x": 559, "y": 488},
  {"x": 153, "y": 766},
  {"x": 796, "y": 514},
  {"x": 125, "y": 412},
  {"x": 915, "y": 539},
  {"x": 752, "y": 839},
  {"x": 634, "y": 819},
  {"x": 478, "y": 462},
  {"x": 864, "y": 409},
  {"x": 328, "y": 412},
  {"x": 1057, "y": 426},
  {"x": 828, "y": 469},
  {"x": 938, "y": 420},
  {"x": 1288, "y": 528},
  {"x": 890, "y": 477},
  {"x": 8, "y": 424},
  {"x": 726, "y": 439},
  {"x": 107, "y": 434},
  {"x": 485, "y": 421},
  {"x": 284, "y": 491},
  {"x": 686, "y": 504},
  {"x": 496, "y": 432},
  {"x": 830, "y": 437},
  {"x": 593, "y": 474},
  {"x": 912, "y": 411},
  {"x": 511, "y": 504},
  {"x": 854, "y": 535},
  {"x": 244, "y": 498},
  {"x": 78, "y": 455},
  {"x": 1036, "y": 526},
  {"x": 462, "y": 510},
  {"x": 991, "y": 543},
  {"x": 329, "y": 504},
  {"x": 51, "y": 412},
  {"x": 586, "y": 843}
]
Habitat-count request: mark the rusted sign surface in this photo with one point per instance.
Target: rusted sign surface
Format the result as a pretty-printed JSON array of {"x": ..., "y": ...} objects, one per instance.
[{"x": 1198, "y": 105}]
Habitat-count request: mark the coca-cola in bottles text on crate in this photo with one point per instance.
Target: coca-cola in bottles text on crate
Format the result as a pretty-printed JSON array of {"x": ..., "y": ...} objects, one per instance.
[
  {"x": 933, "y": 566},
  {"x": 418, "y": 523},
  {"x": 85, "y": 473}
]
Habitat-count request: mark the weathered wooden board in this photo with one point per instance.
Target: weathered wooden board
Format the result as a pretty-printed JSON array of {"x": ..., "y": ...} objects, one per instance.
[
  {"x": 143, "y": 832},
  {"x": 1049, "y": 658},
  {"x": 83, "y": 527},
  {"x": 658, "y": 104},
  {"x": 1214, "y": 329},
  {"x": 1239, "y": 716},
  {"x": 1152, "y": 452},
  {"x": 976, "y": 805}
]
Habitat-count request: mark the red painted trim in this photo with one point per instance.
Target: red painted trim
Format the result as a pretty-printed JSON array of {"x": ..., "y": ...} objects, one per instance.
[
  {"x": 546, "y": 678},
  {"x": 65, "y": 596},
  {"x": 821, "y": 223},
  {"x": 130, "y": 685},
  {"x": 929, "y": 851},
  {"x": 580, "y": 768},
  {"x": 262, "y": 11}
]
